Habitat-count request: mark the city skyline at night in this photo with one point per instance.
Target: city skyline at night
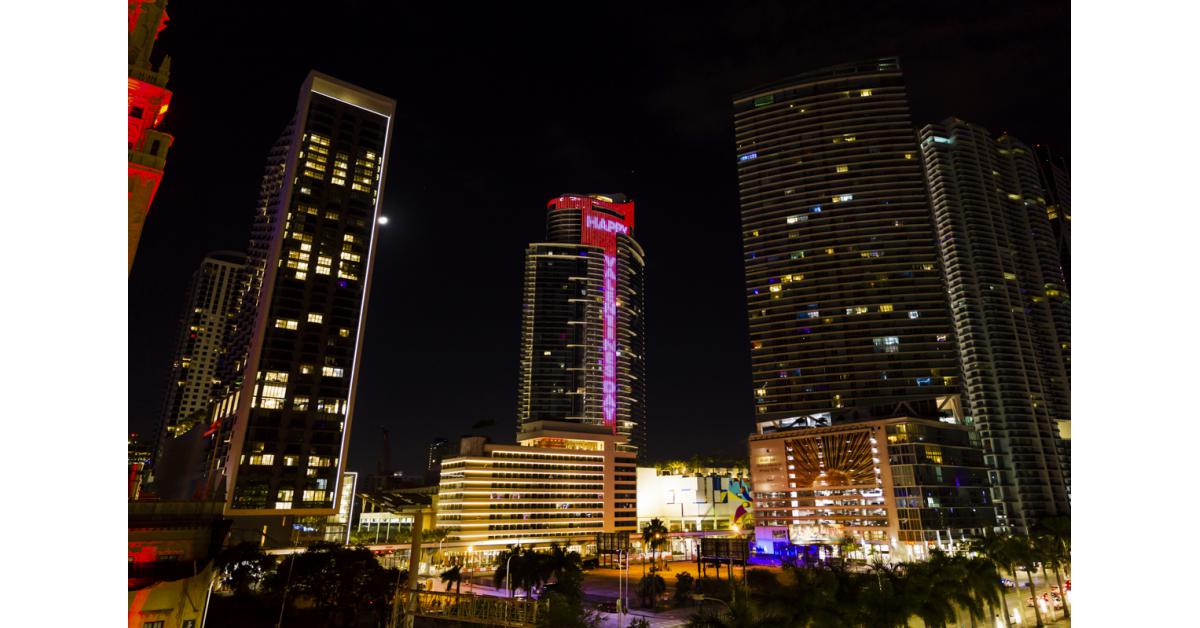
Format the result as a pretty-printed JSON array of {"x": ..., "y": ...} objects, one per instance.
[{"x": 666, "y": 142}]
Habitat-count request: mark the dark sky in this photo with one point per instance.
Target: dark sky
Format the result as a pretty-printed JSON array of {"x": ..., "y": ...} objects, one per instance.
[{"x": 500, "y": 109}]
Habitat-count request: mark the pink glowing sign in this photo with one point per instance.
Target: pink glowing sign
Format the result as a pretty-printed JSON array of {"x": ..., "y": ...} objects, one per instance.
[{"x": 602, "y": 221}]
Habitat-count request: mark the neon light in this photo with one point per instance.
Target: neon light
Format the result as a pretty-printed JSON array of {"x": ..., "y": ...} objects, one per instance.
[{"x": 610, "y": 340}]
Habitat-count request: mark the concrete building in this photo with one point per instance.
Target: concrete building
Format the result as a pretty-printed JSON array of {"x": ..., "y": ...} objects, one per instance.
[
  {"x": 560, "y": 483},
  {"x": 149, "y": 100},
  {"x": 901, "y": 486},
  {"x": 171, "y": 547},
  {"x": 1011, "y": 312}
]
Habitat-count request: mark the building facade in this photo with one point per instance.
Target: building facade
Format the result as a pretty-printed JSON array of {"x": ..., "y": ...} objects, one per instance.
[
  {"x": 280, "y": 432},
  {"x": 847, "y": 308},
  {"x": 901, "y": 486},
  {"x": 1056, "y": 181},
  {"x": 149, "y": 100},
  {"x": 561, "y": 483},
  {"x": 706, "y": 500},
  {"x": 582, "y": 329},
  {"x": 206, "y": 327},
  {"x": 1011, "y": 312}
]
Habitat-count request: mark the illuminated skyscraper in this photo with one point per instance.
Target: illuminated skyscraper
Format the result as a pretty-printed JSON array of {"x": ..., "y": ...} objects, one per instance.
[
  {"x": 1011, "y": 313},
  {"x": 280, "y": 433},
  {"x": 847, "y": 307},
  {"x": 206, "y": 327},
  {"x": 582, "y": 330},
  {"x": 148, "y": 102}
]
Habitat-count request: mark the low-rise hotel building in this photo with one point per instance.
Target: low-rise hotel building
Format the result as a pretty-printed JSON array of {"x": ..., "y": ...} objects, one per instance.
[{"x": 560, "y": 483}]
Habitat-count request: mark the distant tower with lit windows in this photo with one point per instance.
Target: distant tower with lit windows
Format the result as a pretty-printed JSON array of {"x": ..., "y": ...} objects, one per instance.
[
  {"x": 206, "y": 326},
  {"x": 582, "y": 328},
  {"x": 1011, "y": 313},
  {"x": 148, "y": 103},
  {"x": 279, "y": 434}
]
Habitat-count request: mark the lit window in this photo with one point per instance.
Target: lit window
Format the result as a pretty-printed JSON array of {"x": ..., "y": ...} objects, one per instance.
[
  {"x": 886, "y": 307},
  {"x": 331, "y": 371},
  {"x": 829, "y": 251},
  {"x": 283, "y": 505},
  {"x": 263, "y": 459},
  {"x": 887, "y": 344},
  {"x": 842, "y": 198},
  {"x": 1010, "y": 276},
  {"x": 747, "y": 156},
  {"x": 348, "y": 237},
  {"x": 300, "y": 403},
  {"x": 1015, "y": 197},
  {"x": 319, "y": 461},
  {"x": 336, "y": 180},
  {"x": 306, "y": 369},
  {"x": 306, "y": 190},
  {"x": 1052, "y": 293},
  {"x": 290, "y": 461},
  {"x": 791, "y": 220},
  {"x": 311, "y": 495},
  {"x": 776, "y": 287},
  {"x": 275, "y": 376},
  {"x": 343, "y": 332},
  {"x": 350, "y": 257},
  {"x": 283, "y": 323},
  {"x": 323, "y": 270},
  {"x": 285, "y": 494},
  {"x": 941, "y": 337},
  {"x": 272, "y": 396},
  {"x": 865, "y": 92},
  {"x": 843, "y": 168},
  {"x": 908, "y": 155},
  {"x": 313, "y": 317},
  {"x": 861, "y": 309},
  {"x": 914, "y": 314}
]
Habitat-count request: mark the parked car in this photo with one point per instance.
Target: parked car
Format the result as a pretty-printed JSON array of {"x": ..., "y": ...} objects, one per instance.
[
  {"x": 591, "y": 563},
  {"x": 1052, "y": 601},
  {"x": 1008, "y": 583}
]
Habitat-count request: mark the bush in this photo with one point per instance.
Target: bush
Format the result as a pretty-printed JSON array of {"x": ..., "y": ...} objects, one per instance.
[
  {"x": 711, "y": 587},
  {"x": 640, "y": 622},
  {"x": 649, "y": 588},
  {"x": 685, "y": 584}
]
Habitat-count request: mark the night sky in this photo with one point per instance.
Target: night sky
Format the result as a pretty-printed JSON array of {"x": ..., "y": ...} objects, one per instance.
[{"x": 500, "y": 109}]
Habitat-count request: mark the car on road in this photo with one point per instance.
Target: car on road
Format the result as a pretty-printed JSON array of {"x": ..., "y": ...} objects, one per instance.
[
  {"x": 1008, "y": 583},
  {"x": 1052, "y": 601}
]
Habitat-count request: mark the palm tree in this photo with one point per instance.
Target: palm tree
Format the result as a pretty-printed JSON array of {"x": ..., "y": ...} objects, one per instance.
[
  {"x": 846, "y": 545},
  {"x": 1025, "y": 554},
  {"x": 880, "y": 597},
  {"x": 740, "y": 613},
  {"x": 984, "y": 583},
  {"x": 1057, "y": 531},
  {"x": 923, "y": 586},
  {"x": 996, "y": 549},
  {"x": 654, "y": 535},
  {"x": 453, "y": 576}
]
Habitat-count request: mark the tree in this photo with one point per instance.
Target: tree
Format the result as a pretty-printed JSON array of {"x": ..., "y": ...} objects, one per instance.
[
  {"x": 923, "y": 584},
  {"x": 1057, "y": 531},
  {"x": 846, "y": 545},
  {"x": 1025, "y": 554},
  {"x": 244, "y": 567},
  {"x": 983, "y": 583},
  {"x": 649, "y": 588},
  {"x": 684, "y": 585},
  {"x": 742, "y": 612},
  {"x": 341, "y": 581},
  {"x": 1050, "y": 551},
  {"x": 998, "y": 550},
  {"x": 453, "y": 576},
  {"x": 654, "y": 536}
]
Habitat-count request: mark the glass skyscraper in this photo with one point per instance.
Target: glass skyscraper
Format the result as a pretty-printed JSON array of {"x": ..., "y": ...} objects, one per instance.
[
  {"x": 847, "y": 307},
  {"x": 280, "y": 433},
  {"x": 582, "y": 330}
]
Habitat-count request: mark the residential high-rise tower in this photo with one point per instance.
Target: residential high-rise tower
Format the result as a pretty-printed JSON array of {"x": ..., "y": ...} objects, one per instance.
[
  {"x": 1011, "y": 313},
  {"x": 280, "y": 433},
  {"x": 206, "y": 327},
  {"x": 847, "y": 307},
  {"x": 1056, "y": 181},
  {"x": 148, "y": 102},
  {"x": 582, "y": 329}
]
